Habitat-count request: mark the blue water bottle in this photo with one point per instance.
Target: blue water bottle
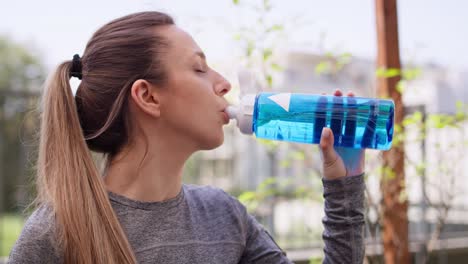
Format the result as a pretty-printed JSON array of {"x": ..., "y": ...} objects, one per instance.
[{"x": 356, "y": 122}]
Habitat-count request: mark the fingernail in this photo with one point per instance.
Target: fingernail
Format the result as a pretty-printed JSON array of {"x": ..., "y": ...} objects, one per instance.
[{"x": 325, "y": 132}]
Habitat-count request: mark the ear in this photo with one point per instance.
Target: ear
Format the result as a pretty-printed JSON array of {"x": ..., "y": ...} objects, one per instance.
[{"x": 146, "y": 98}]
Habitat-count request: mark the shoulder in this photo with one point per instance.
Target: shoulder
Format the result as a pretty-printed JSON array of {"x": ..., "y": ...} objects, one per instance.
[
  {"x": 209, "y": 197},
  {"x": 207, "y": 194},
  {"x": 204, "y": 190},
  {"x": 36, "y": 241},
  {"x": 39, "y": 225},
  {"x": 214, "y": 207}
]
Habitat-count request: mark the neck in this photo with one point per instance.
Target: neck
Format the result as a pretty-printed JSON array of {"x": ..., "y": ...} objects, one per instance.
[{"x": 156, "y": 178}]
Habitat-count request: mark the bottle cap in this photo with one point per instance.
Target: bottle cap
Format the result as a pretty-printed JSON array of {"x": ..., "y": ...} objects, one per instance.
[{"x": 243, "y": 113}]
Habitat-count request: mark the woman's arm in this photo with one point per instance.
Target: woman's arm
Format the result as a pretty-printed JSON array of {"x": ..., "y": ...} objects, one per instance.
[
  {"x": 344, "y": 220},
  {"x": 35, "y": 243},
  {"x": 343, "y": 181}
]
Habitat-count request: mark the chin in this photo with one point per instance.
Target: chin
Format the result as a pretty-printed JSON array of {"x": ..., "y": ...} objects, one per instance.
[{"x": 213, "y": 142}]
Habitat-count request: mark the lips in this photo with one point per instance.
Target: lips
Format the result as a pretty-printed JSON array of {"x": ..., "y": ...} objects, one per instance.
[{"x": 225, "y": 117}]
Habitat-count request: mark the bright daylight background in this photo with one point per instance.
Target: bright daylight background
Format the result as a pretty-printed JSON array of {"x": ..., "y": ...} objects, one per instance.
[{"x": 309, "y": 46}]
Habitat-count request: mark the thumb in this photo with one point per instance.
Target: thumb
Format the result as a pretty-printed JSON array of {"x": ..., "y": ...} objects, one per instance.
[
  {"x": 333, "y": 166},
  {"x": 327, "y": 140}
]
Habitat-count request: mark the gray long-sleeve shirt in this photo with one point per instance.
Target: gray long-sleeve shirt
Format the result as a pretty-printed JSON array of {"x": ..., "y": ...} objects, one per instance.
[{"x": 206, "y": 225}]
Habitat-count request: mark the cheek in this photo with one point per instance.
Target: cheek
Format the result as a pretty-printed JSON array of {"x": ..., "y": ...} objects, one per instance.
[
  {"x": 188, "y": 113},
  {"x": 191, "y": 111},
  {"x": 200, "y": 125},
  {"x": 195, "y": 100},
  {"x": 191, "y": 91}
]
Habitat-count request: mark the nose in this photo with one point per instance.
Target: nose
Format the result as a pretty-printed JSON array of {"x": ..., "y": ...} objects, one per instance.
[{"x": 222, "y": 86}]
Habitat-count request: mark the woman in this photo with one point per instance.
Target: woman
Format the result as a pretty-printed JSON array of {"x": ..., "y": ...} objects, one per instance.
[{"x": 148, "y": 100}]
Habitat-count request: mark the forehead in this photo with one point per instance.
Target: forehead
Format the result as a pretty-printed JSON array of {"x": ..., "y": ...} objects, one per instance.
[{"x": 181, "y": 44}]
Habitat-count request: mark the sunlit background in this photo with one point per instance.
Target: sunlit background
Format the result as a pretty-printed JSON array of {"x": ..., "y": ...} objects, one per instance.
[{"x": 295, "y": 46}]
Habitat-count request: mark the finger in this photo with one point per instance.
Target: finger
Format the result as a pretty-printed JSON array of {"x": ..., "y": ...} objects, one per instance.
[
  {"x": 329, "y": 155},
  {"x": 350, "y": 93},
  {"x": 338, "y": 92}
]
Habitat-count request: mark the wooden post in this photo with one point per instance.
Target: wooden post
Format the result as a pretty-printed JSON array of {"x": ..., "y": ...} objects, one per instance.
[{"x": 394, "y": 208}]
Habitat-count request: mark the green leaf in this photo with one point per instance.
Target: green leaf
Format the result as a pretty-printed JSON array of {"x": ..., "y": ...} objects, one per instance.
[
  {"x": 347, "y": 55},
  {"x": 276, "y": 27},
  {"x": 276, "y": 67},
  {"x": 403, "y": 196},
  {"x": 298, "y": 155},
  {"x": 329, "y": 54},
  {"x": 322, "y": 67},
  {"x": 236, "y": 2},
  {"x": 461, "y": 112},
  {"x": 421, "y": 168},
  {"x": 344, "y": 59},
  {"x": 435, "y": 120},
  {"x": 398, "y": 128},
  {"x": 250, "y": 48},
  {"x": 459, "y": 105},
  {"x": 247, "y": 196},
  {"x": 285, "y": 164},
  {"x": 267, "y": 54},
  {"x": 417, "y": 116},
  {"x": 411, "y": 74},
  {"x": 408, "y": 121},
  {"x": 387, "y": 173},
  {"x": 315, "y": 260},
  {"x": 400, "y": 87},
  {"x": 269, "y": 80},
  {"x": 267, "y": 183},
  {"x": 443, "y": 120},
  {"x": 267, "y": 5},
  {"x": 387, "y": 73},
  {"x": 392, "y": 73},
  {"x": 271, "y": 144},
  {"x": 300, "y": 191}
]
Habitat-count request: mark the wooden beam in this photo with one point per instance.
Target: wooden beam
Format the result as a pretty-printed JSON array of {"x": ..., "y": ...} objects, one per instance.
[{"x": 394, "y": 208}]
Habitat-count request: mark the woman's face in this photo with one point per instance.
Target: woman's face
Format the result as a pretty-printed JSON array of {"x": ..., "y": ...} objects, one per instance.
[{"x": 193, "y": 96}]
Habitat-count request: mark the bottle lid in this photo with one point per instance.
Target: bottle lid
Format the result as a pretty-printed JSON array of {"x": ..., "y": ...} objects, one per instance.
[{"x": 243, "y": 113}]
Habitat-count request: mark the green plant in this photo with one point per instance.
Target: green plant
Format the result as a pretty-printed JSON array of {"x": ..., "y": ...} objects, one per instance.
[{"x": 11, "y": 226}]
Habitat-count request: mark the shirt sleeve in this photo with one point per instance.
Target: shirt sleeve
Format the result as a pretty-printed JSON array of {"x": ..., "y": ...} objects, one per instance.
[
  {"x": 344, "y": 220},
  {"x": 35, "y": 243},
  {"x": 260, "y": 247}
]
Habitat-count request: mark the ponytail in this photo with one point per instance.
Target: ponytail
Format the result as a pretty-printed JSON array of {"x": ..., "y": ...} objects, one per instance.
[{"x": 69, "y": 182}]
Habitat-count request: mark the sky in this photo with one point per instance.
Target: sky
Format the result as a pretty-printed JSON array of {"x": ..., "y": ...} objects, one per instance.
[{"x": 431, "y": 31}]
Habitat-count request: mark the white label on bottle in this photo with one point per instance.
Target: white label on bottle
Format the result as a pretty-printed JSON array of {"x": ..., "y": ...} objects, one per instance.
[
  {"x": 376, "y": 109},
  {"x": 282, "y": 99}
]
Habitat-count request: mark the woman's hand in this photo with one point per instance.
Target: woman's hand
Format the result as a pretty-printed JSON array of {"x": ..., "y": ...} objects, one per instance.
[{"x": 339, "y": 162}]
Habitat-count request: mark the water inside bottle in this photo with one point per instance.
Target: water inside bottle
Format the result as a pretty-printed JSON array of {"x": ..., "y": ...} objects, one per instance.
[{"x": 356, "y": 122}]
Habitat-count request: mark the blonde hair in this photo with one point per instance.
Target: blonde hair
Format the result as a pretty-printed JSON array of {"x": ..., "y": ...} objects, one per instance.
[{"x": 68, "y": 180}]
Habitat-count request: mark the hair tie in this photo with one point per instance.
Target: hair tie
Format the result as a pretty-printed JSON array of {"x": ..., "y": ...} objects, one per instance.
[{"x": 76, "y": 68}]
